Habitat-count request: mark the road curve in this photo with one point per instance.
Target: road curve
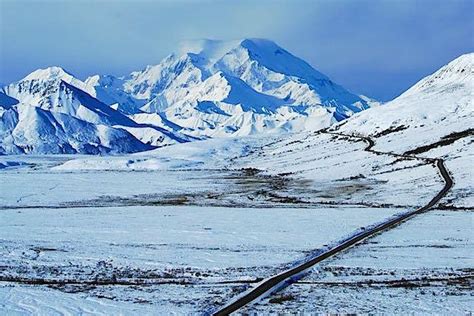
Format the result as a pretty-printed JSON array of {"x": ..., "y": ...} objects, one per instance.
[{"x": 290, "y": 276}]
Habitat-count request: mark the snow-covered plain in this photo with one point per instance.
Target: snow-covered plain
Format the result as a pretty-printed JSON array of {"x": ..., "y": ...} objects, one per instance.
[
  {"x": 424, "y": 266},
  {"x": 333, "y": 171},
  {"x": 189, "y": 259}
]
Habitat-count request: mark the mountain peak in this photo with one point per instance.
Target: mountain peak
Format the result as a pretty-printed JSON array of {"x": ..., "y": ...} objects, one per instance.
[
  {"x": 456, "y": 74},
  {"x": 464, "y": 59},
  {"x": 215, "y": 49},
  {"x": 263, "y": 51},
  {"x": 261, "y": 43},
  {"x": 49, "y": 73},
  {"x": 208, "y": 49},
  {"x": 461, "y": 66}
]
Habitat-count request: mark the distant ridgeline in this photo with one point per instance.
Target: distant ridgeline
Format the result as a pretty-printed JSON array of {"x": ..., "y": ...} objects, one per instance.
[{"x": 208, "y": 89}]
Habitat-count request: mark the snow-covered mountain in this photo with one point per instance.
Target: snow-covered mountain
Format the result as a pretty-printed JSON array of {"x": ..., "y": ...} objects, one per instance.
[
  {"x": 219, "y": 89},
  {"x": 109, "y": 90},
  {"x": 48, "y": 112},
  {"x": 31, "y": 129},
  {"x": 235, "y": 88},
  {"x": 55, "y": 90},
  {"x": 208, "y": 89},
  {"x": 436, "y": 106}
]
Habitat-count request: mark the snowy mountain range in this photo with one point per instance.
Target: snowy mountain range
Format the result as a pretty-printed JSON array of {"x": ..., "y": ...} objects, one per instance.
[
  {"x": 48, "y": 112},
  {"x": 435, "y": 107},
  {"x": 208, "y": 89}
]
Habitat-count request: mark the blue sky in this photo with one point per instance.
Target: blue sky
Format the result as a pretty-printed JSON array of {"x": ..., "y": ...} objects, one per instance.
[{"x": 378, "y": 48}]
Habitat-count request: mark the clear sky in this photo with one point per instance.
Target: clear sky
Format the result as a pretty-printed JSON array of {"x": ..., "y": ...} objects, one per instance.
[{"x": 377, "y": 48}]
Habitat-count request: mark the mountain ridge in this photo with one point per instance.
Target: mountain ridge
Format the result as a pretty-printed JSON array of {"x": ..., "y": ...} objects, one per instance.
[
  {"x": 182, "y": 82},
  {"x": 208, "y": 89}
]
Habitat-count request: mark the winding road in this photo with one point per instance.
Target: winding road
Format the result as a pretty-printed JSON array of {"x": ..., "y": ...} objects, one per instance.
[{"x": 284, "y": 279}]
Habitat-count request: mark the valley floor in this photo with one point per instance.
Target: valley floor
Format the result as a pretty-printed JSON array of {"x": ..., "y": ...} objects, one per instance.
[
  {"x": 189, "y": 227},
  {"x": 424, "y": 266},
  {"x": 163, "y": 258}
]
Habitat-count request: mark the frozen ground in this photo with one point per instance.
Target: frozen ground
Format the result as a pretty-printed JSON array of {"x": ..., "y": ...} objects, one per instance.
[
  {"x": 303, "y": 169},
  {"x": 346, "y": 173},
  {"x": 424, "y": 266},
  {"x": 163, "y": 257}
]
